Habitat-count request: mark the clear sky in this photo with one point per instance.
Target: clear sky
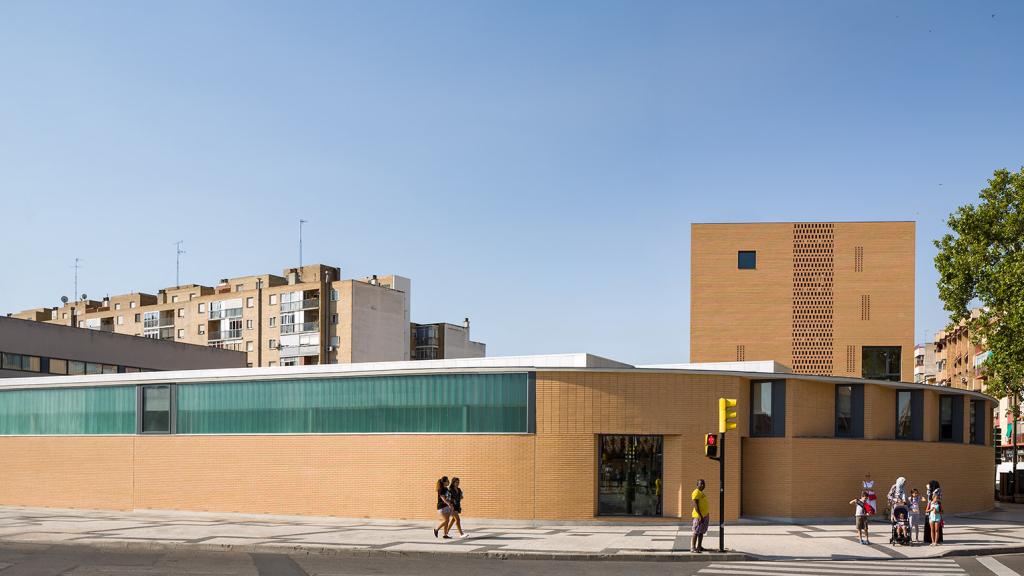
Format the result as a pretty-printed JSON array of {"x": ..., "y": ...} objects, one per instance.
[{"x": 532, "y": 165}]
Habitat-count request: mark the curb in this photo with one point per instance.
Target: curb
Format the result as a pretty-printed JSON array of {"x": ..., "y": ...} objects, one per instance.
[
  {"x": 651, "y": 556},
  {"x": 982, "y": 552}
]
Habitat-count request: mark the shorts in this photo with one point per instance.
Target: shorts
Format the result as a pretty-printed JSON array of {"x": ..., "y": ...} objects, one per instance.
[
  {"x": 862, "y": 522},
  {"x": 446, "y": 511},
  {"x": 700, "y": 527}
]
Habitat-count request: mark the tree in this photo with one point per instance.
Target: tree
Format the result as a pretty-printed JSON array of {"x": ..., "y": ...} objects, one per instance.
[{"x": 982, "y": 260}]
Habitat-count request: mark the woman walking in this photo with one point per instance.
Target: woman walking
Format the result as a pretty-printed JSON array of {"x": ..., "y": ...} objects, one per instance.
[
  {"x": 456, "y": 500},
  {"x": 444, "y": 507}
]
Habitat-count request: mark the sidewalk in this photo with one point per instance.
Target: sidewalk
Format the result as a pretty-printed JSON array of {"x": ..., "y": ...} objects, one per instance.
[{"x": 994, "y": 532}]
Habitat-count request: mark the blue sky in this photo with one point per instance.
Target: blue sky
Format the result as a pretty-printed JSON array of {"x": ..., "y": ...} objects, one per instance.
[{"x": 532, "y": 165}]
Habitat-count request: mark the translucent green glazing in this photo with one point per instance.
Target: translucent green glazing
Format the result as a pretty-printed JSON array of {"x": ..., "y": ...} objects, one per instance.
[
  {"x": 421, "y": 403},
  {"x": 103, "y": 410}
]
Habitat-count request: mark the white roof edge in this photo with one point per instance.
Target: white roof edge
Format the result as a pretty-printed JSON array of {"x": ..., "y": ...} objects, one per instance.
[{"x": 769, "y": 366}]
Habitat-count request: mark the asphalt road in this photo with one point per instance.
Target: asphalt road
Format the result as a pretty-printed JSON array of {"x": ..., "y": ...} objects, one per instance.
[{"x": 45, "y": 560}]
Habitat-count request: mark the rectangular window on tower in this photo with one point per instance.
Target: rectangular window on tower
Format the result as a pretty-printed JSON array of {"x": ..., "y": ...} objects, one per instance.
[{"x": 747, "y": 259}]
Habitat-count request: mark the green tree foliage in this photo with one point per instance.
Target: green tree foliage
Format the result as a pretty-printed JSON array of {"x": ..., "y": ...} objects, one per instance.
[{"x": 982, "y": 261}]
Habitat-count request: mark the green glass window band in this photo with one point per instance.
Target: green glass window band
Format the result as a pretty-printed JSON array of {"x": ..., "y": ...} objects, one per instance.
[
  {"x": 442, "y": 403},
  {"x": 106, "y": 410}
]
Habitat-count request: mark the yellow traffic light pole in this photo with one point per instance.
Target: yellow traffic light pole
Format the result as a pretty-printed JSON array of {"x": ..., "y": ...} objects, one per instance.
[{"x": 726, "y": 421}]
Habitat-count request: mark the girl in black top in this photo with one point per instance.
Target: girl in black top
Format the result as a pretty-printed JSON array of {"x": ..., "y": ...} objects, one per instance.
[
  {"x": 456, "y": 500},
  {"x": 444, "y": 506}
]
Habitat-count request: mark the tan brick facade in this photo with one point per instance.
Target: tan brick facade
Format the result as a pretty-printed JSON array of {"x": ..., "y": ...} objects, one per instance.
[
  {"x": 820, "y": 292},
  {"x": 548, "y": 475}
]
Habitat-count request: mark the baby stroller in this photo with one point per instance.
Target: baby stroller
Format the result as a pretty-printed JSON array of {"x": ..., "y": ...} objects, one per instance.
[{"x": 900, "y": 525}]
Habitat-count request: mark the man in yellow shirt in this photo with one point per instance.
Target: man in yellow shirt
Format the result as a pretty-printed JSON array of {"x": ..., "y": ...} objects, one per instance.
[{"x": 700, "y": 517}]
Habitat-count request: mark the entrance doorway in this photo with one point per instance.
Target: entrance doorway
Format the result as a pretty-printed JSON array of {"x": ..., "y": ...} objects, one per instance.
[{"x": 629, "y": 475}]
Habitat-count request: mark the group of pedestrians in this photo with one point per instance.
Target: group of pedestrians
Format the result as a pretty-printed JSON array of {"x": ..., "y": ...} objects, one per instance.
[
  {"x": 906, "y": 512},
  {"x": 449, "y": 506}
]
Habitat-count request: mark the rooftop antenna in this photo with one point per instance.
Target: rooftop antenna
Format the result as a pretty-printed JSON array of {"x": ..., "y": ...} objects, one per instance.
[
  {"x": 301, "y": 222},
  {"x": 177, "y": 262},
  {"x": 76, "y": 267}
]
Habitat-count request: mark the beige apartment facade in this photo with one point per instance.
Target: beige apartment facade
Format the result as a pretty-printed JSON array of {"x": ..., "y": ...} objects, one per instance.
[
  {"x": 307, "y": 316},
  {"x": 825, "y": 298}
]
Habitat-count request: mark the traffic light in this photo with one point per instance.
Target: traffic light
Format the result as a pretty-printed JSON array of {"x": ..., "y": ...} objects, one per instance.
[
  {"x": 711, "y": 445},
  {"x": 726, "y": 414}
]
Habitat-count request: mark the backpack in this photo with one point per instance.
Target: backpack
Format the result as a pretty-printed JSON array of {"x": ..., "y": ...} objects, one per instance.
[{"x": 868, "y": 508}]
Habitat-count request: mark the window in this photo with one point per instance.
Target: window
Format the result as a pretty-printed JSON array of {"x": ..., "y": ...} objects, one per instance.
[
  {"x": 273, "y": 299},
  {"x": 58, "y": 366},
  {"x": 271, "y": 363},
  {"x": 746, "y": 259},
  {"x": 81, "y": 324},
  {"x": 117, "y": 306},
  {"x": 174, "y": 298},
  {"x": 156, "y": 410},
  {"x": 129, "y": 370},
  {"x": 202, "y": 307},
  {"x": 768, "y": 408},
  {"x": 880, "y": 363},
  {"x": 75, "y": 367},
  {"x": 909, "y": 409},
  {"x": 628, "y": 470},
  {"x": 138, "y": 317},
  {"x": 191, "y": 295},
  {"x": 248, "y": 346},
  {"x": 248, "y": 324},
  {"x": 849, "y": 411},
  {"x": 248, "y": 364},
  {"x": 249, "y": 302},
  {"x": 977, "y": 427},
  {"x": 334, "y": 318},
  {"x": 131, "y": 304},
  {"x": 334, "y": 295},
  {"x": 272, "y": 344},
  {"x": 181, "y": 312},
  {"x": 63, "y": 315},
  {"x": 109, "y": 369},
  {"x": 93, "y": 368},
  {"x": 239, "y": 287},
  {"x": 273, "y": 321},
  {"x": 951, "y": 418},
  {"x": 181, "y": 333},
  {"x": 202, "y": 329},
  {"x": 20, "y": 362},
  {"x": 120, "y": 320}
]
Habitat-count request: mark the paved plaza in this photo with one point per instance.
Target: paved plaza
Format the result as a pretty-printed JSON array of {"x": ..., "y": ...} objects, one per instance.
[{"x": 999, "y": 531}]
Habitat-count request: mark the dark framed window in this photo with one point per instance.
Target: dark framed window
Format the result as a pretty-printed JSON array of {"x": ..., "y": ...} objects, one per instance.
[
  {"x": 909, "y": 406},
  {"x": 768, "y": 408},
  {"x": 746, "y": 260},
  {"x": 156, "y": 409},
  {"x": 629, "y": 475},
  {"x": 850, "y": 411},
  {"x": 881, "y": 362},
  {"x": 951, "y": 418},
  {"x": 977, "y": 427}
]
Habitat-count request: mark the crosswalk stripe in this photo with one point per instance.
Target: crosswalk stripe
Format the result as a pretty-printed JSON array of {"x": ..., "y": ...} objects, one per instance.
[
  {"x": 858, "y": 568},
  {"x": 996, "y": 567}
]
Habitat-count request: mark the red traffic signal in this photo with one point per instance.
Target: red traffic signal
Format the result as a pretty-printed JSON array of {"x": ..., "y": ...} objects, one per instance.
[{"x": 711, "y": 445}]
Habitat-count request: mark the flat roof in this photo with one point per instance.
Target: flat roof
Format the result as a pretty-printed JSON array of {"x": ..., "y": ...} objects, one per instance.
[
  {"x": 811, "y": 222},
  {"x": 547, "y": 362}
]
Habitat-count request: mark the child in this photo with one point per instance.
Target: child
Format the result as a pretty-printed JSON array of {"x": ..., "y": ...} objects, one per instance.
[
  {"x": 901, "y": 522},
  {"x": 860, "y": 515},
  {"x": 935, "y": 517},
  {"x": 915, "y": 513}
]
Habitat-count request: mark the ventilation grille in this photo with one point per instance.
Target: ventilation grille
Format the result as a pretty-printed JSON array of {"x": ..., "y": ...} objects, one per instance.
[
  {"x": 813, "y": 304},
  {"x": 851, "y": 359},
  {"x": 741, "y": 353},
  {"x": 858, "y": 259},
  {"x": 865, "y": 307}
]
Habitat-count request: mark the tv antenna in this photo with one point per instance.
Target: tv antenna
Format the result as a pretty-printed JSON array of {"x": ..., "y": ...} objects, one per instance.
[
  {"x": 76, "y": 266},
  {"x": 177, "y": 262},
  {"x": 301, "y": 222}
]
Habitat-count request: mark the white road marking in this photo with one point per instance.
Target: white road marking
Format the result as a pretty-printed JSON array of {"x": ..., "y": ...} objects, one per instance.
[
  {"x": 922, "y": 567},
  {"x": 995, "y": 566}
]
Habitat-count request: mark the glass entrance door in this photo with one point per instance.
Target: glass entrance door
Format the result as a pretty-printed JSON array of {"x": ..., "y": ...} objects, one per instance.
[{"x": 630, "y": 481}]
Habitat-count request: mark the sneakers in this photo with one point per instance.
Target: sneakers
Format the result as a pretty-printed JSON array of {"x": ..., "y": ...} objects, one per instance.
[
  {"x": 435, "y": 532},
  {"x": 446, "y": 537}
]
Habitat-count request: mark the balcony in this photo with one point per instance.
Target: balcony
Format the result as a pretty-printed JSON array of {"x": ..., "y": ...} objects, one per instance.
[
  {"x": 225, "y": 313},
  {"x": 160, "y": 333},
  {"x": 307, "y": 304},
  {"x": 300, "y": 327},
  {"x": 161, "y": 322},
  {"x": 219, "y": 335},
  {"x": 293, "y": 351}
]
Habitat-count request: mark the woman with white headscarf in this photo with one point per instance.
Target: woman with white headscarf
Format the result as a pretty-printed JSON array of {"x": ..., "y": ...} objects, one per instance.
[{"x": 898, "y": 492}]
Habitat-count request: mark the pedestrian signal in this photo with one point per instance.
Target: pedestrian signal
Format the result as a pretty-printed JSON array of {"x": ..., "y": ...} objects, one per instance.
[
  {"x": 726, "y": 414},
  {"x": 711, "y": 445}
]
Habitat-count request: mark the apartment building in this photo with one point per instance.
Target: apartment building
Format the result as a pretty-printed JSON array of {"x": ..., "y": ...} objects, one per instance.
[
  {"x": 443, "y": 340},
  {"x": 824, "y": 298},
  {"x": 307, "y": 316},
  {"x": 959, "y": 363},
  {"x": 924, "y": 363}
]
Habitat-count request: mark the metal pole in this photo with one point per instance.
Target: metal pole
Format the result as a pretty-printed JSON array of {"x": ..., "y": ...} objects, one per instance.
[
  {"x": 301, "y": 222},
  {"x": 177, "y": 262},
  {"x": 721, "y": 495}
]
